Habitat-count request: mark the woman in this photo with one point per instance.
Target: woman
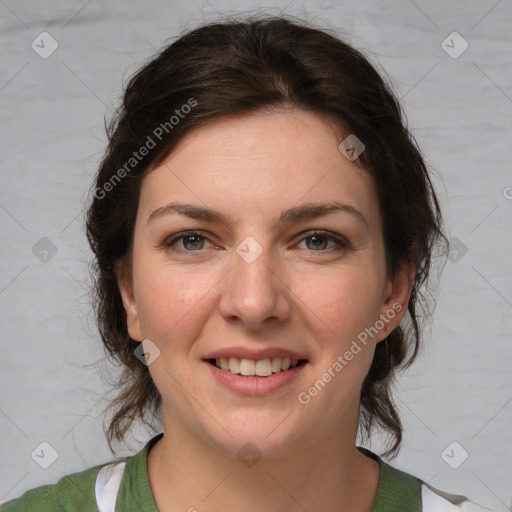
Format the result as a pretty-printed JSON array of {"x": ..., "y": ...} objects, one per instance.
[{"x": 262, "y": 222}]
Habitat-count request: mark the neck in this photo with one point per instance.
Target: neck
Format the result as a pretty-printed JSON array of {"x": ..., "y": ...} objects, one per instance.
[{"x": 189, "y": 473}]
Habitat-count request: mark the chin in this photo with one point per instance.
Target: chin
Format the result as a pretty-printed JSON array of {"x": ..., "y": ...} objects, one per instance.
[{"x": 258, "y": 433}]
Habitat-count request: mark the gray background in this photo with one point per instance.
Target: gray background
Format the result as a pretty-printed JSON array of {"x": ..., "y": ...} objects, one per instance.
[{"x": 52, "y": 138}]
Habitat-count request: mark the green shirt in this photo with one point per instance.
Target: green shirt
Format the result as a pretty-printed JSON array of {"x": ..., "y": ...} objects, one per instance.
[{"x": 80, "y": 492}]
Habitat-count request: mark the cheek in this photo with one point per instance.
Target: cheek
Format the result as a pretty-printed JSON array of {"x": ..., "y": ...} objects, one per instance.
[
  {"x": 342, "y": 303},
  {"x": 340, "y": 309},
  {"x": 171, "y": 300}
]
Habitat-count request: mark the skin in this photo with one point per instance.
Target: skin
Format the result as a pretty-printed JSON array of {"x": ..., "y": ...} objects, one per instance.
[{"x": 314, "y": 299}]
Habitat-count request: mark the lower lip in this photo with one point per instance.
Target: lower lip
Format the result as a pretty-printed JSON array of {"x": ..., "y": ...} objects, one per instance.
[{"x": 252, "y": 385}]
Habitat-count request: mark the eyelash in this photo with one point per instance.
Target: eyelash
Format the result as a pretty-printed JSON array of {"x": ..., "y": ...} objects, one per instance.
[{"x": 169, "y": 244}]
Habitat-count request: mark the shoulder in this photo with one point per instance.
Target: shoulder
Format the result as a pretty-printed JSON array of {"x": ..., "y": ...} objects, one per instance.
[
  {"x": 97, "y": 488},
  {"x": 400, "y": 491},
  {"x": 72, "y": 493},
  {"x": 434, "y": 500}
]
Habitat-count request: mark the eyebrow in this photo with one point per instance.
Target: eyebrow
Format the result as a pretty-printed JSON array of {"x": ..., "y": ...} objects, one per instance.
[{"x": 298, "y": 213}]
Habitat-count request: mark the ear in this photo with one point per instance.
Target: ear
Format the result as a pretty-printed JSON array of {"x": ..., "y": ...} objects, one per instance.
[
  {"x": 396, "y": 299},
  {"x": 127, "y": 295}
]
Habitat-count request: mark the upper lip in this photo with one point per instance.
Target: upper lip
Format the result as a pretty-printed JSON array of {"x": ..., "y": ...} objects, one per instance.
[{"x": 256, "y": 354}]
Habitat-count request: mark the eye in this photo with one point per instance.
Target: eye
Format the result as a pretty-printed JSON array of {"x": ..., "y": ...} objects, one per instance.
[
  {"x": 193, "y": 241},
  {"x": 319, "y": 238}
]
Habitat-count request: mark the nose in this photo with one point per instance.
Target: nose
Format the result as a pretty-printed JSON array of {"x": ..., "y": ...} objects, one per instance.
[{"x": 255, "y": 293}]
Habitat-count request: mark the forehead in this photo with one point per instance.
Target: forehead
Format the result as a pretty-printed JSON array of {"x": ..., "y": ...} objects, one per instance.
[{"x": 260, "y": 163}]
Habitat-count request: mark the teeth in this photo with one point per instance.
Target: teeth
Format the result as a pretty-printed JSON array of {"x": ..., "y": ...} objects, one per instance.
[
  {"x": 261, "y": 367},
  {"x": 276, "y": 364},
  {"x": 234, "y": 365},
  {"x": 247, "y": 367}
]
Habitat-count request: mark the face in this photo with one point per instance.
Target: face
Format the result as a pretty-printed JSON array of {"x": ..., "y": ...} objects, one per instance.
[{"x": 258, "y": 246}]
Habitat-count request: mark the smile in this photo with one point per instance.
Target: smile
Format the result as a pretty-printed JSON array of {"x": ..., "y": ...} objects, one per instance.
[{"x": 250, "y": 367}]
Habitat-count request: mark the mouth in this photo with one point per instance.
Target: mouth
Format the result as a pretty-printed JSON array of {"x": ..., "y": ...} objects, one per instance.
[{"x": 256, "y": 367}]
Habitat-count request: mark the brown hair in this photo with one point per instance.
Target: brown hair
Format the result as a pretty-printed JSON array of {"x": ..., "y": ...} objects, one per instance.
[{"x": 238, "y": 67}]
